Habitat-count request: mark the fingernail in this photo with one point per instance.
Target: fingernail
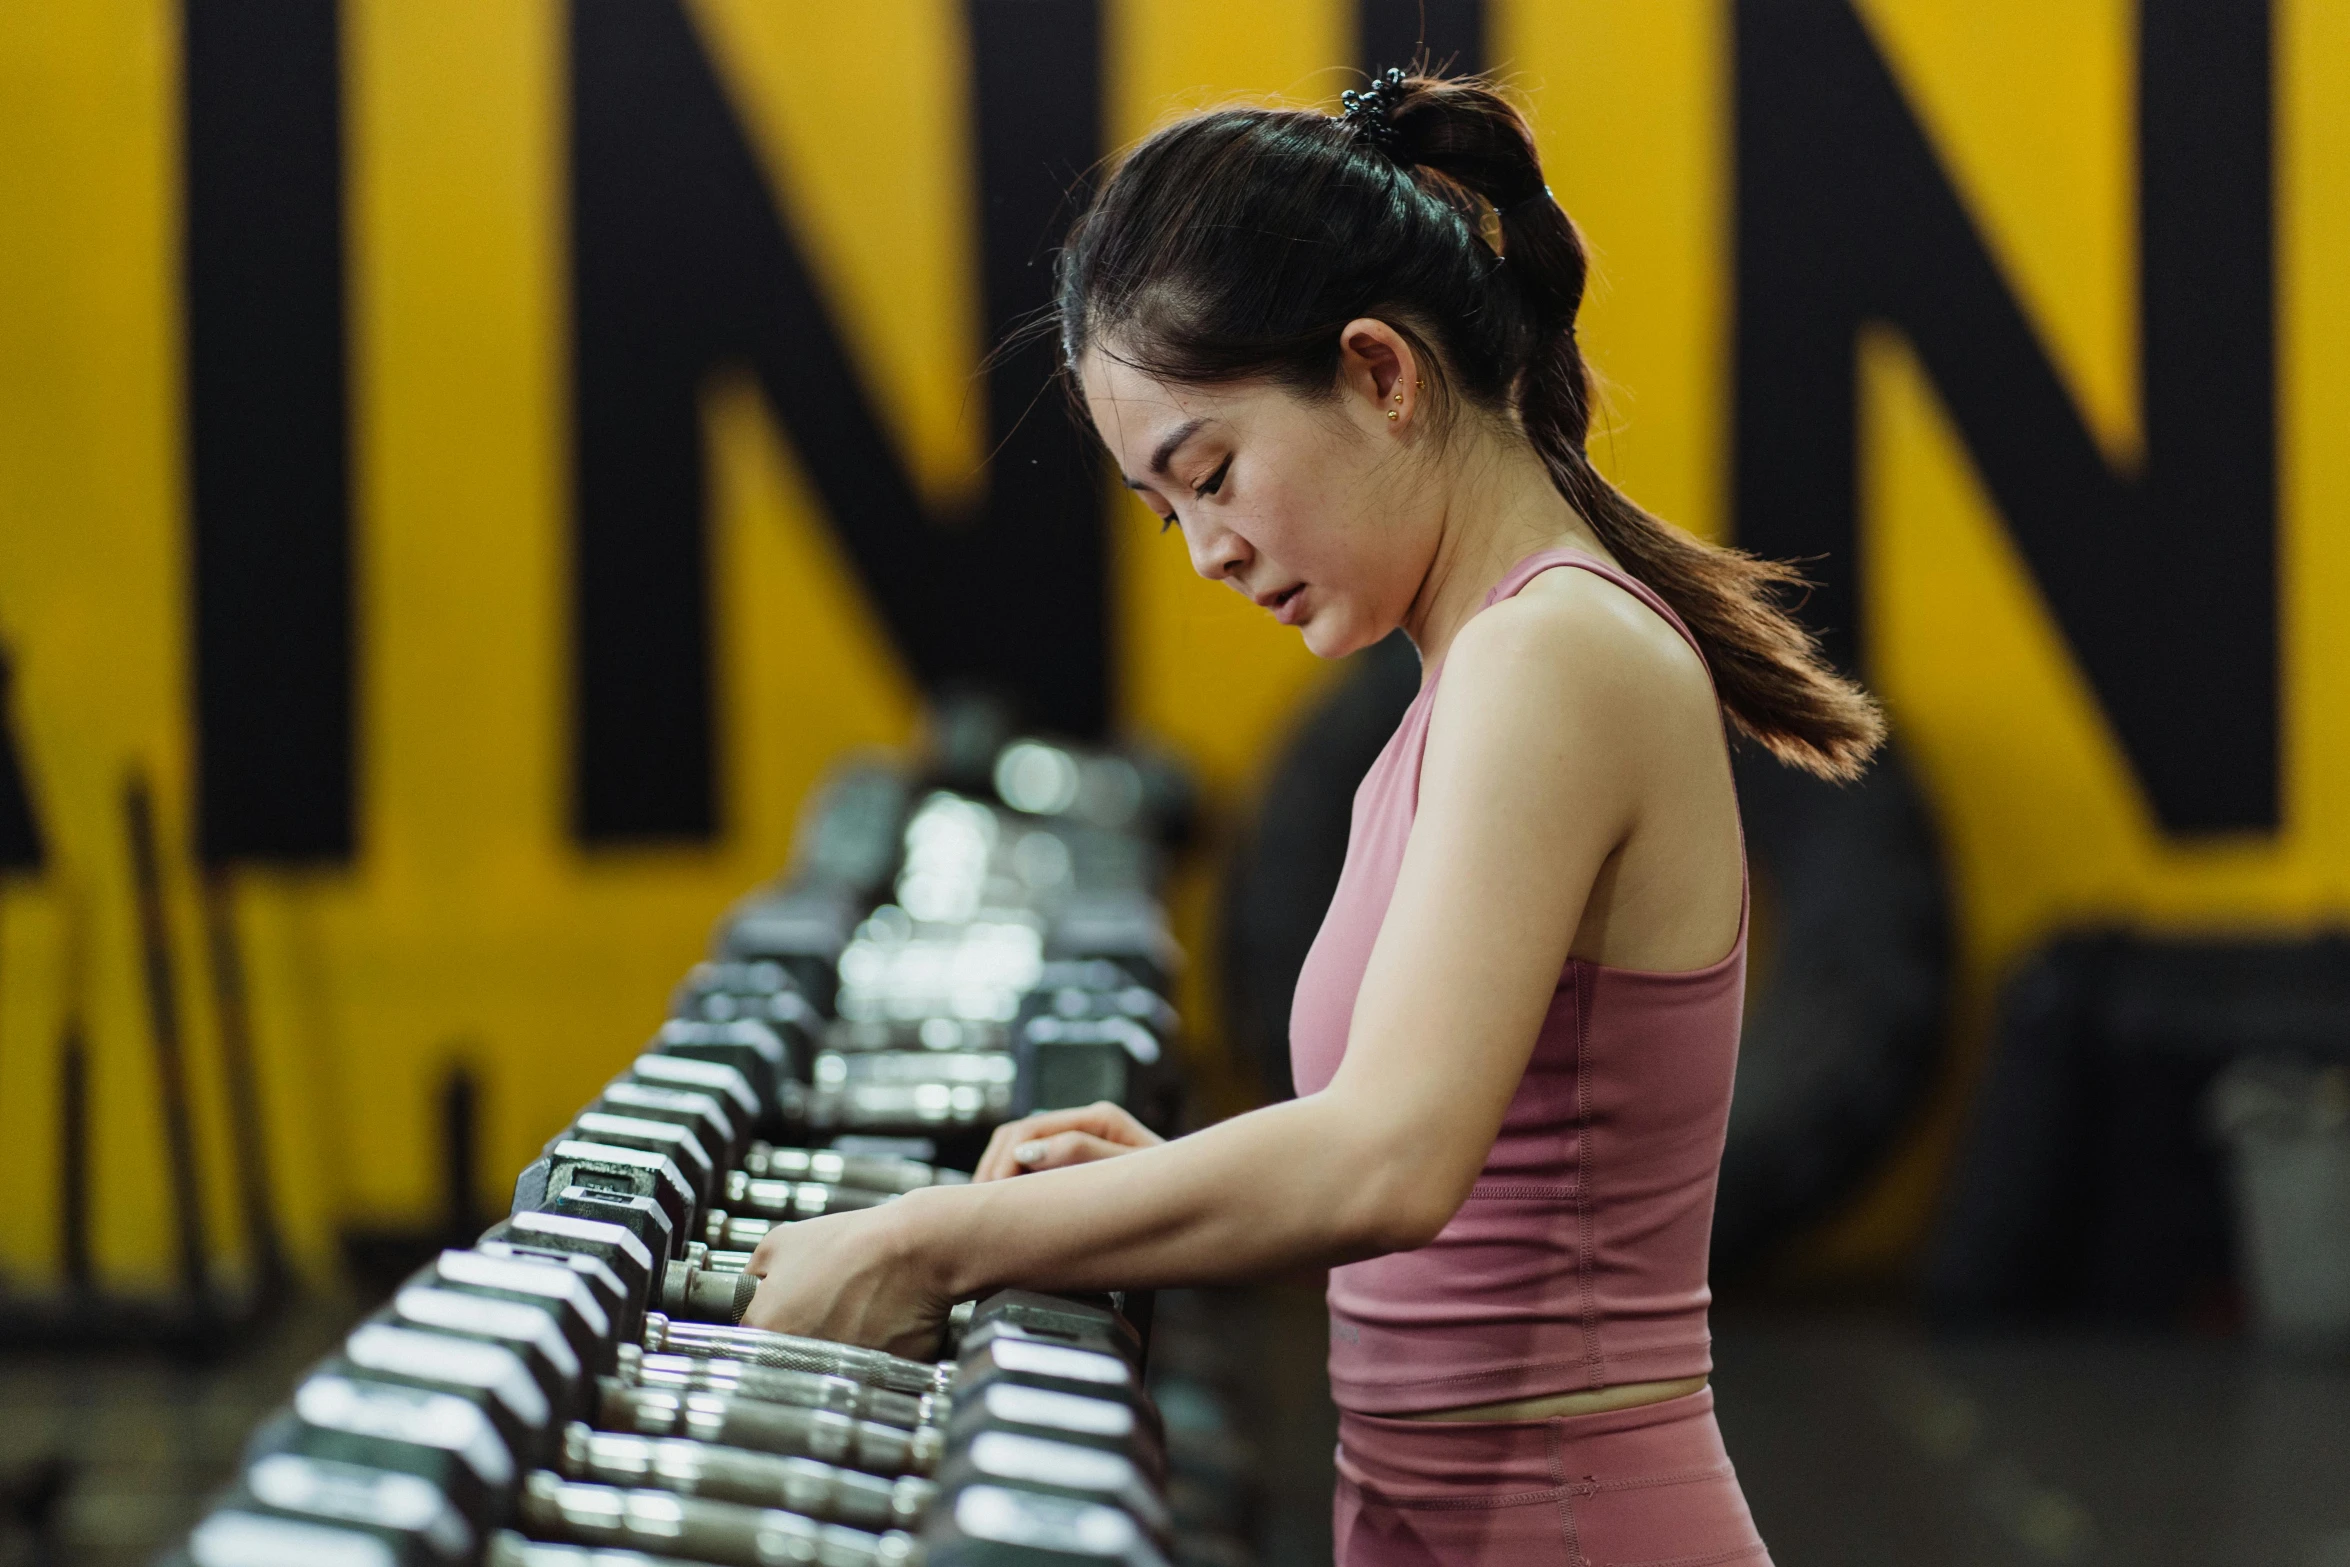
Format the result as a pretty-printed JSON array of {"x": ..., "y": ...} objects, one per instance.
[{"x": 1028, "y": 1153}]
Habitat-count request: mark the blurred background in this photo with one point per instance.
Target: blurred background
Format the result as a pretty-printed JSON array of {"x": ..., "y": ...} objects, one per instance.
[{"x": 467, "y": 471}]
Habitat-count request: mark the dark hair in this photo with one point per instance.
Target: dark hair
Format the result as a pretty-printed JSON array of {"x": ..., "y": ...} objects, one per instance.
[{"x": 1234, "y": 245}]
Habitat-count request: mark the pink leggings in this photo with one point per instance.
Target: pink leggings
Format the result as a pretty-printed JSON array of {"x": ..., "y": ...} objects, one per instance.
[{"x": 1645, "y": 1487}]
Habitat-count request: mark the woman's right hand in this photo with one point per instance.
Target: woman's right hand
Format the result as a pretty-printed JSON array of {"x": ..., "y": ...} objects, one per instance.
[{"x": 1054, "y": 1138}]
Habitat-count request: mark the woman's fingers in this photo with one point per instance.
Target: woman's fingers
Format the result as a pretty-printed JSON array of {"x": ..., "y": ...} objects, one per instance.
[
  {"x": 997, "y": 1162},
  {"x": 1103, "y": 1121},
  {"x": 1065, "y": 1148}
]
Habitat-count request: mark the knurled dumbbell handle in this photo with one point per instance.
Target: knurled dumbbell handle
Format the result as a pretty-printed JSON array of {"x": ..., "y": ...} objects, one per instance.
[
  {"x": 722, "y": 1231},
  {"x": 873, "y": 1367},
  {"x": 821, "y": 1434},
  {"x": 775, "y": 1385},
  {"x": 769, "y": 1199},
  {"x": 826, "y": 1492},
  {"x": 688, "y": 1526},
  {"x": 836, "y": 1169}
]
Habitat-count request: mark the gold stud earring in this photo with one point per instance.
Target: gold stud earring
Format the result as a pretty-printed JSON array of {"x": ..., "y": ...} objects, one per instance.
[
  {"x": 1392, "y": 414},
  {"x": 1399, "y": 394}
]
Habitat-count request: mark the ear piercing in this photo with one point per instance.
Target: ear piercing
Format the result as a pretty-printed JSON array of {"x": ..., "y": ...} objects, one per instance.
[{"x": 1392, "y": 413}]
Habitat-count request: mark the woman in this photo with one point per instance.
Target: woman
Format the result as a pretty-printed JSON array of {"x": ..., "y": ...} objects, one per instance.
[{"x": 1339, "y": 354}]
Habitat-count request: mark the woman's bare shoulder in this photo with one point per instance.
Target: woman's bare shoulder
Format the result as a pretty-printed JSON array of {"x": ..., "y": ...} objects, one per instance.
[{"x": 1571, "y": 633}]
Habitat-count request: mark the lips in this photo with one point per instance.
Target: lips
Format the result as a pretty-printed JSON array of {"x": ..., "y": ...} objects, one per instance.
[{"x": 1288, "y": 605}]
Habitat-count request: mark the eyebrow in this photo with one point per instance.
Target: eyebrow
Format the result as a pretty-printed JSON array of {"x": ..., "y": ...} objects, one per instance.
[{"x": 1167, "y": 450}]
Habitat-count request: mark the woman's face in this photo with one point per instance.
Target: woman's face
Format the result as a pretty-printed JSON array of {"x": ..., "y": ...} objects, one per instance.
[{"x": 1311, "y": 510}]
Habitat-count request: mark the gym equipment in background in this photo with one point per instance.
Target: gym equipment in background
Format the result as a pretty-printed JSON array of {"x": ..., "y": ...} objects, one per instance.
[{"x": 575, "y": 1390}]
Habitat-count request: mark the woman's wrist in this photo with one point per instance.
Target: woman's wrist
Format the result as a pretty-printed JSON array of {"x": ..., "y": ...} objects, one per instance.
[{"x": 932, "y": 1241}]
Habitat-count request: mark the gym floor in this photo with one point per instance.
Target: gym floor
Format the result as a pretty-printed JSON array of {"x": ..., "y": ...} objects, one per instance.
[{"x": 1861, "y": 1439}]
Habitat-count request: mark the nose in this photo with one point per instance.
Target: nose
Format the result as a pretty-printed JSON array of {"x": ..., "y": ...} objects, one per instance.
[{"x": 1217, "y": 553}]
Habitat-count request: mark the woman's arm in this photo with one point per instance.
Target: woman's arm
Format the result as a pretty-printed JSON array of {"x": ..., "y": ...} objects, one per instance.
[{"x": 1530, "y": 780}]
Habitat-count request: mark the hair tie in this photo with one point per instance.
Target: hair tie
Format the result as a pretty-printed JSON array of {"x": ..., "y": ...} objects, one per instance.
[{"x": 1371, "y": 111}]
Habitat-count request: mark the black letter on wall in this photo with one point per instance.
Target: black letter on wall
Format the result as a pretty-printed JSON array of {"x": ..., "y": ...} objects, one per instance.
[
  {"x": 683, "y": 264},
  {"x": 267, "y": 430},
  {"x": 20, "y": 834},
  {"x": 2163, "y": 581},
  {"x": 1448, "y": 34}
]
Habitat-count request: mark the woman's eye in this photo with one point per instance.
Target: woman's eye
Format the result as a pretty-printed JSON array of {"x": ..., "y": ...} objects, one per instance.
[
  {"x": 1214, "y": 481},
  {"x": 1166, "y": 522}
]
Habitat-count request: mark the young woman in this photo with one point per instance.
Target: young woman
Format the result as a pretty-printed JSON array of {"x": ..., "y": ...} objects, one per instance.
[{"x": 1338, "y": 353}]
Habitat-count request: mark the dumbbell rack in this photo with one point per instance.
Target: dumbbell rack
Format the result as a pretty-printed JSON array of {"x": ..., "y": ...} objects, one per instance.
[{"x": 575, "y": 1390}]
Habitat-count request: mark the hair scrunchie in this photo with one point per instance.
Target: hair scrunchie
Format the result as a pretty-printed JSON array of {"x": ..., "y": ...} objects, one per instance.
[{"x": 1371, "y": 112}]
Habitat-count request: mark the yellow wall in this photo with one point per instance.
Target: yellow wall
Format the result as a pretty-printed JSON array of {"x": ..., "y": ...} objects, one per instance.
[{"x": 470, "y": 926}]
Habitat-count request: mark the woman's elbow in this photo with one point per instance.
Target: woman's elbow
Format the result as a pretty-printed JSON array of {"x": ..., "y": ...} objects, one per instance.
[{"x": 1400, "y": 1213}]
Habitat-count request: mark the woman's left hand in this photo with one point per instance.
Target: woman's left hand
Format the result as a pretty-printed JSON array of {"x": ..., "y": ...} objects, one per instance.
[{"x": 853, "y": 1278}]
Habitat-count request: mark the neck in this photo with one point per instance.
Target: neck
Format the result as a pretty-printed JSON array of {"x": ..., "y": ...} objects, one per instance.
[{"x": 1499, "y": 507}]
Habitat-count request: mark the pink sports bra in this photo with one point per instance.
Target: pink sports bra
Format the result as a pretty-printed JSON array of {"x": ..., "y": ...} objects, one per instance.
[{"x": 1579, "y": 1259}]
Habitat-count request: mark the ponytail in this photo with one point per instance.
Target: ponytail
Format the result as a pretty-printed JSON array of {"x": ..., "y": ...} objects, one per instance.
[{"x": 1431, "y": 213}]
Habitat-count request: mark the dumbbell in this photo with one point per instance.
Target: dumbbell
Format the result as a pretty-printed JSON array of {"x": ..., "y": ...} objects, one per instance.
[
  {"x": 724, "y": 1135},
  {"x": 1083, "y": 1420},
  {"x": 803, "y": 928},
  {"x": 825, "y": 1492},
  {"x": 709, "y": 1531},
  {"x": 491, "y": 1377},
  {"x": 585, "y": 1321},
  {"x": 729, "y": 1084},
  {"x": 1006, "y": 1352},
  {"x": 913, "y": 1089},
  {"x": 1095, "y": 974},
  {"x": 694, "y": 1292},
  {"x": 762, "y": 991},
  {"x": 1125, "y": 926},
  {"x": 849, "y": 832},
  {"x": 1088, "y": 1396},
  {"x": 1066, "y": 1062},
  {"x": 1000, "y": 1526},
  {"x": 611, "y": 1174},
  {"x": 1097, "y": 988},
  {"x": 439, "y": 1437},
  {"x": 761, "y": 1426},
  {"x": 724, "y": 1259},
  {"x": 532, "y": 1330},
  {"x": 791, "y": 1352},
  {"x": 761, "y": 1198},
  {"x": 751, "y": 1048},
  {"x": 238, "y": 1533},
  {"x": 611, "y": 1257},
  {"x": 725, "y": 1233},
  {"x": 405, "y": 1514},
  {"x": 804, "y": 1389},
  {"x": 833, "y": 1167},
  {"x": 1090, "y": 1323},
  {"x": 1055, "y": 1468},
  {"x": 678, "y": 1144},
  {"x": 510, "y": 1549}
]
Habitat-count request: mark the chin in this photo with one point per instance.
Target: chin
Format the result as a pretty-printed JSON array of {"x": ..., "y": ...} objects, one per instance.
[{"x": 1328, "y": 636}]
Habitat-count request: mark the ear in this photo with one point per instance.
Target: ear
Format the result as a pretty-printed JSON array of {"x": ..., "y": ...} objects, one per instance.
[{"x": 1379, "y": 374}]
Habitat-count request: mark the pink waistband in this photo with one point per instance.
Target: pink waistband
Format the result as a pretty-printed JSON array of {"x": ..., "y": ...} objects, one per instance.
[{"x": 1466, "y": 1463}]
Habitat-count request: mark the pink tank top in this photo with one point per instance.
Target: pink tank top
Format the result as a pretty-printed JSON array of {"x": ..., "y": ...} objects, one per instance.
[{"x": 1579, "y": 1259}]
